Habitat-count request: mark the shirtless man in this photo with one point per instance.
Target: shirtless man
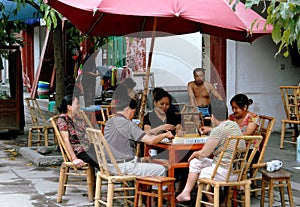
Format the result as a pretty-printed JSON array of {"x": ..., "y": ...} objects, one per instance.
[{"x": 199, "y": 92}]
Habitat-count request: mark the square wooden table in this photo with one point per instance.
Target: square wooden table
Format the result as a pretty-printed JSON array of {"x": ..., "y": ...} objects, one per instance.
[{"x": 178, "y": 154}]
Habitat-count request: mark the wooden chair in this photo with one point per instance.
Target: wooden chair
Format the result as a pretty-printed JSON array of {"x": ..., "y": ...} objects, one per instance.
[
  {"x": 266, "y": 124},
  {"x": 109, "y": 187},
  {"x": 40, "y": 125},
  {"x": 279, "y": 178},
  {"x": 238, "y": 165},
  {"x": 290, "y": 96},
  {"x": 106, "y": 113},
  {"x": 144, "y": 187},
  {"x": 191, "y": 119},
  {"x": 69, "y": 169}
]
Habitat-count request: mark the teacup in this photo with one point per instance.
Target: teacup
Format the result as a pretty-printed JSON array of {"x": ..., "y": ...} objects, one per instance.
[
  {"x": 270, "y": 166},
  {"x": 152, "y": 152},
  {"x": 274, "y": 165},
  {"x": 277, "y": 164}
]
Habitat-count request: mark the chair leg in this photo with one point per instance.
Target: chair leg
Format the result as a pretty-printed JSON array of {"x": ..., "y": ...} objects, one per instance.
[
  {"x": 136, "y": 195},
  {"x": 46, "y": 136},
  {"x": 282, "y": 134},
  {"x": 90, "y": 183},
  {"x": 281, "y": 190},
  {"x": 263, "y": 189},
  {"x": 110, "y": 193},
  {"x": 61, "y": 184},
  {"x": 271, "y": 193},
  {"x": 172, "y": 198},
  {"x": 289, "y": 190},
  {"x": 199, "y": 195},
  {"x": 247, "y": 194},
  {"x": 216, "y": 196},
  {"x": 29, "y": 137},
  {"x": 98, "y": 191}
]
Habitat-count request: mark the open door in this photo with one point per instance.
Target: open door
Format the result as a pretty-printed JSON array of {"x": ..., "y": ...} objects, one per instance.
[{"x": 11, "y": 90}]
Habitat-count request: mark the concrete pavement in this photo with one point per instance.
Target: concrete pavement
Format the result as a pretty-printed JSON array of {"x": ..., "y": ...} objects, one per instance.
[{"x": 24, "y": 184}]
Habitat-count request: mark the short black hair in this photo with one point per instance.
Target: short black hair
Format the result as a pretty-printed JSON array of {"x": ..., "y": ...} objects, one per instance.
[
  {"x": 199, "y": 70},
  {"x": 129, "y": 102},
  {"x": 162, "y": 94}
]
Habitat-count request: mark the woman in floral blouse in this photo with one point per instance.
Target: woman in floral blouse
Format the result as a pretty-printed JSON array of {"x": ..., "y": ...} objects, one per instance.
[{"x": 72, "y": 129}]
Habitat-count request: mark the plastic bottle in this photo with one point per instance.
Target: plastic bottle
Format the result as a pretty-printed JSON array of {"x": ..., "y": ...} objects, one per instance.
[{"x": 298, "y": 148}]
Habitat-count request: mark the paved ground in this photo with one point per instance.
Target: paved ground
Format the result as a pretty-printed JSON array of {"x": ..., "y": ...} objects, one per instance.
[{"x": 24, "y": 184}]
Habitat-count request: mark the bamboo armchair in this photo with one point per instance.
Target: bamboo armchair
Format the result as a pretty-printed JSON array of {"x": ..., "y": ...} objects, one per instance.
[
  {"x": 290, "y": 96},
  {"x": 109, "y": 187},
  {"x": 266, "y": 124},
  {"x": 238, "y": 165},
  {"x": 40, "y": 127},
  {"x": 106, "y": 113},
  {"x": 69, "y": 169},
  {"x": 86, "y": 119}
]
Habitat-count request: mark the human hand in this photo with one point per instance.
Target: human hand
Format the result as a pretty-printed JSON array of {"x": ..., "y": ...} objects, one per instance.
[
  {"x": 179, "y": 133},
  {"x": 194, "y": 155},
  {"x": 78, "y": 163},
  {"x": 169, "y": 135},
  {"x": 205, "y": 129},
  {"x": 167, "y": 127}
]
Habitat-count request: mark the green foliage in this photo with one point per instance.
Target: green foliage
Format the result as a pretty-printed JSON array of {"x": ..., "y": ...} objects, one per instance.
[
  {"x": 284, "y": 15},
  {"x": 9, "y": 29}
]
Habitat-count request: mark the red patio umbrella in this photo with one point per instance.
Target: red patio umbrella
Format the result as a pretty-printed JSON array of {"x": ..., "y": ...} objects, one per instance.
[
  {"x": 125, "y": 17},
  {"x": 121, "y": 17}
]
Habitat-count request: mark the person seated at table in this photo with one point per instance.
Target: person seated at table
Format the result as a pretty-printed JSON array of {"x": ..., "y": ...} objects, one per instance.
[
  {"x": 200, "y": 166},
  {"x": 162, "y": 119},
  {"x": 72, "y": 129},
  {"x": 247, "y": 120},
  {"x": 121, "y": 134}
]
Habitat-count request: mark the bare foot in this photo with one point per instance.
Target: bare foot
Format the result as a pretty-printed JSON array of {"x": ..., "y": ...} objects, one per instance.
[{"x": 183, "y": 197}]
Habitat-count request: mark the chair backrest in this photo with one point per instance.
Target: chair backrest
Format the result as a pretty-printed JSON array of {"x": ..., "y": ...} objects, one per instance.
[
  {"x": 106, "y": 112},
  {"x": 86, "y": 118},
  {"x": 103, "y": 152},
  {"x": 266, "y": 125},
  {"x": 290, "y": 96},
  {"x": 35, "y": 111},
  {"x": 62, "y": 146},
  {"x": 238, "y": 163}
]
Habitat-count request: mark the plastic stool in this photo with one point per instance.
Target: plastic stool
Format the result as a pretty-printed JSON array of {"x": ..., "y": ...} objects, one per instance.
[
  {"x": 144, "y": 187},
  {"x": 279, "y": 178}
]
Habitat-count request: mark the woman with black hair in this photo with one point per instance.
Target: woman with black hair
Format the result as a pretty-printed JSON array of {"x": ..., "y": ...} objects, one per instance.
[
  {"x": 161, "y": 119},
  {"x": 247, "y": 120},
  {"x": 72, "y": 129}
]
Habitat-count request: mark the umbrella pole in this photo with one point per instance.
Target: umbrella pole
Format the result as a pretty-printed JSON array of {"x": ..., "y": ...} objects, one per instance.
[{"x": 145, "y": 92}]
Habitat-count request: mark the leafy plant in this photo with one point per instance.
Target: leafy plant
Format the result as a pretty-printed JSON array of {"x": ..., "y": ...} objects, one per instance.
[{"x": 284, "y": 15}]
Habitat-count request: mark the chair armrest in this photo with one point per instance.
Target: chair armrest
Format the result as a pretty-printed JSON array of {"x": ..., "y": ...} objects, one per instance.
[{"x": 260, "y": 165}]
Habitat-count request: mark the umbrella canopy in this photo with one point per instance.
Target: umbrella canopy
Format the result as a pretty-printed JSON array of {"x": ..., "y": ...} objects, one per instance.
[
  {"x": 26, "y": 12},
  {"x": 117, "y": 18},
  {"x": 126, "y": 17}
]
